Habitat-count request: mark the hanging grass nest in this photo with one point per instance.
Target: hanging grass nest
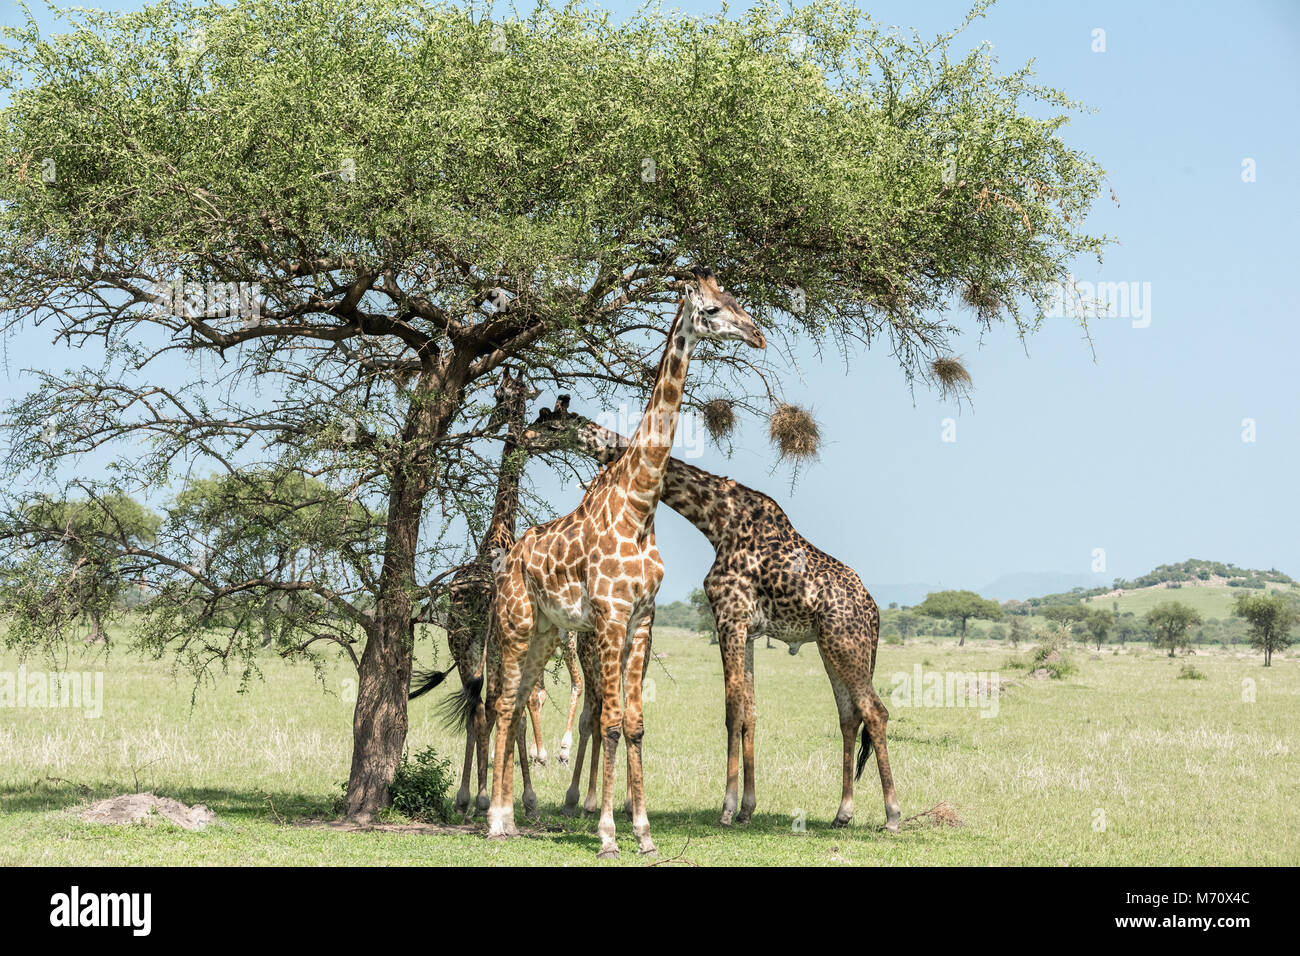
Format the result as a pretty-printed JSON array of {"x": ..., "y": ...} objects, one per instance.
[
  {"x": 794, "y": 431},
  {"x": 981, "y": 297},
  {"x": 950, "y": 374},
  {"x": 719, "y": 417}
]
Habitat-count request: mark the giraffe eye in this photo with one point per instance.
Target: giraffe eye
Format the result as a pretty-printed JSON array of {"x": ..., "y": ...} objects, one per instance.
[{"x": 713, "y": 310}]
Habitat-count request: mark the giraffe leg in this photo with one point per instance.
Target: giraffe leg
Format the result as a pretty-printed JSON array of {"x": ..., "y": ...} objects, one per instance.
[
  {"x": 584, "y": 652},
  {"x": 634, "y": 732},
  {"x": 471, "y": 742},
  {"x": 483, "y": 719},
  {"x": 535, "y": 701},
  {"x": 611, "y": 635},
  {"x": 874, "y": 719},
  {"x": 575, "y": 691},
  {"x": 748, "y": 727},
  {"x": 731, "y": 642},
  {"x": 517, "y": 643},
  {"x": 539, "y": 652}
]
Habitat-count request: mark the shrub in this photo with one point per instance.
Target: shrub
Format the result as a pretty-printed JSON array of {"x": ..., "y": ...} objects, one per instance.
[
  {"x": 1051, "y": 657},
  {"x": 1190, "y": 673},
  {"x": 421, "y": 785}
]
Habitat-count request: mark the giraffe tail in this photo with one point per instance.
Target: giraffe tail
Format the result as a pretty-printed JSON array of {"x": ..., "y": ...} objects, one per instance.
[
  {"x": 864, "y": 751},
  {"x": 458, "y": 710},
  {"x": 425, "y": 681}
]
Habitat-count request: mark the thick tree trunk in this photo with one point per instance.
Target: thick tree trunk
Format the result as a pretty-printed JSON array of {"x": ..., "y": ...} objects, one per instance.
[
  {"x": 962, "y": 642},
  {"x": 379, "y": 723}
]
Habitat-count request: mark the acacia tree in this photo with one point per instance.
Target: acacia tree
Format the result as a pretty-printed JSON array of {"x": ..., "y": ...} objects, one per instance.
[
  {"x": 1099, "y": 624},
  {"x": 1271, "y": 617},
  {"x": 304, "y": 237},
  {"x": 959, "y": 607},
  {"x": 262, "y": 525},
  {"x": 1169, "y": 620},
  {"x": 75, "y": 574}
]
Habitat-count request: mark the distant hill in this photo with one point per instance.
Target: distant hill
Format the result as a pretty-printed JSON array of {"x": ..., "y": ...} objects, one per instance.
[
  {"x": 1024, "y": 584},
  {"x": 1207, "y": 586}
]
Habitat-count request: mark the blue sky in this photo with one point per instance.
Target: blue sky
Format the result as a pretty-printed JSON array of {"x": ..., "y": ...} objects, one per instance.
[{"x": 1138, "y": 452}]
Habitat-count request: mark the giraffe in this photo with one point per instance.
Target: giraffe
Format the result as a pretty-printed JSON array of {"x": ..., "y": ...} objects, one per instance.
[
  {"x": 536, "y": 700},
  {"x": 470, "y": 593},
  {"x": 598, "y": 569},
  {"x": 766, "y": 579}
]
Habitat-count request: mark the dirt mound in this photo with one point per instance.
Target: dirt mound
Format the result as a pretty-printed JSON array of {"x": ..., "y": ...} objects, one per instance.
[
  {"x": 942, "y": 814},
  {"x": 148, "y": 809}
]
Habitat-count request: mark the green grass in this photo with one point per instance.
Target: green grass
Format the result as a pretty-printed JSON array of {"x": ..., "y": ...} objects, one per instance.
[
  {"x": 1210, "y": 601},
  {"x": 1185, "y": 772}
]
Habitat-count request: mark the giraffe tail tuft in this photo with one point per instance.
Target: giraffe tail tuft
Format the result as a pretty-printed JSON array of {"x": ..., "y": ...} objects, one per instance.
[
  {"x": 864, "y": 751},
  {"x": 459, "y": 709},
  {"x": 425, "y": 681}
]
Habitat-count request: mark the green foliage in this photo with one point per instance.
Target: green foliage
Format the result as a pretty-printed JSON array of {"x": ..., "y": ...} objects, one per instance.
[
  {"x": 959, "y": 607},
  {"x": 395, "y": 182},
  {"x": 1019, "y": 631},
  {"x": 704, "y": 621},
  {"x": 1099, "y": 624},
  {"x": 1170, "y": 620},
  {"x": 1270, "y": 618},
  {"x": 1051, "y": 656},
  {"x": 1188, "y": 672},
  {"x": 420, "y": 787},
  {"x": 65, "y": 558},
  {"x": 676, "y": 614}
]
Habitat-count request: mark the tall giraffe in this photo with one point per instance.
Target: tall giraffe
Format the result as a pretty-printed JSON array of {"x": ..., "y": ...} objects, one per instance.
[
  {"x": 766, "y": 580},
  {"x": 470, "y": 593},
  {"x": 598, "y": 569}
]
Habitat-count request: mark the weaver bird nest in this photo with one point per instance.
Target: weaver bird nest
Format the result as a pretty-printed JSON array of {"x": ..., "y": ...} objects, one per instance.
[
  {"x": 951, "y": 375},
  {"x": 794, "y": 432},
  {"x": 719, "y": 417}
]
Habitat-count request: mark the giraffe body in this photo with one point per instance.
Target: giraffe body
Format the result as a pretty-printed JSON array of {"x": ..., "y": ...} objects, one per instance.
[
  {"x": 767, "y": 580},
  {"x": 470, "y": 595},
  {"x": 598, "y": 569}
]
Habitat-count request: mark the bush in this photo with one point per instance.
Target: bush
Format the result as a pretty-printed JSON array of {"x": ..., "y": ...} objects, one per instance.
[
  {"x": 420, "y": 787},
  {"x": 1190, "y": 673},
  {"x": 1051, "y": 657}
]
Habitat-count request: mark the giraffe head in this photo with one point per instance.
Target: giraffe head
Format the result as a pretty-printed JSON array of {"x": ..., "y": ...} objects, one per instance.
[
  {"x": 710, "y": 312},
  {"x": 557, "y": 429},
  {"x": 512, "y": 396}
]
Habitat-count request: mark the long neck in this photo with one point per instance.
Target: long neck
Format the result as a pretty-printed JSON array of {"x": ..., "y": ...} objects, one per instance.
[
  {"x": 708, "y": 501},
  {"x": 641, "y": 469},
  {"x": 501, "y": 529}
]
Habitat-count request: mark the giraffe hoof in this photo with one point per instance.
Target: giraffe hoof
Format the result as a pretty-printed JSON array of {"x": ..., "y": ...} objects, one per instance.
[
  {"x": 651, "y": 851},
  {"x": 608, "y": 854},
  {"x": 744, "y": 817},
  {"x": 840, "y": 823}
]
